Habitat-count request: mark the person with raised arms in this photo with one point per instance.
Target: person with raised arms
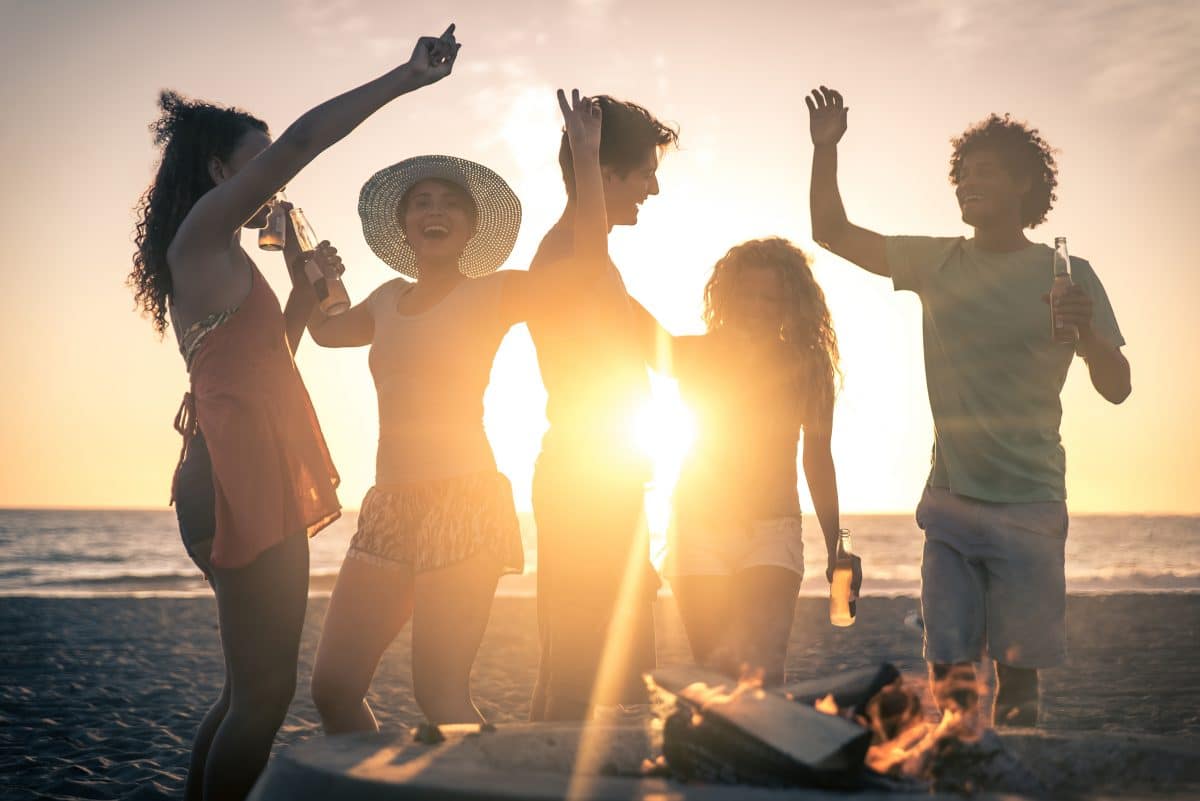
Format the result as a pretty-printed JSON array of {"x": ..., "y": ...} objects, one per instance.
[
  {"x": 439, "y": 528},
  {"x": 595, "y": 583},
  {"x": 994, "y": 506},
  {"x": 255, "y": 478}
]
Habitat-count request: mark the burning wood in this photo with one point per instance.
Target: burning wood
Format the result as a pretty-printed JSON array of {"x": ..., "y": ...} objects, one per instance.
[
  {"x": 956, "y": 753},
  {"x": 800, "y": 736},
  {"x": 903, "y": 740}
]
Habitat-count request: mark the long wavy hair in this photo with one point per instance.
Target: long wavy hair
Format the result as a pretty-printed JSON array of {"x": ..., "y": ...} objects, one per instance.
[
  {"x": 189, "y": 132},
  {"x": 806, "y": 323}
]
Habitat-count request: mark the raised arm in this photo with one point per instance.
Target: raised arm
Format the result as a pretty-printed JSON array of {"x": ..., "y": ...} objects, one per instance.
[
  {"x": 352, "y": 328},
  {"x": 528, "y": 293},
  {"x": 302, "y": 299},
  {"x": 830, "y": 227},
  {"x": 226, "y": 207},
  {"x": 583, "y": 118}
]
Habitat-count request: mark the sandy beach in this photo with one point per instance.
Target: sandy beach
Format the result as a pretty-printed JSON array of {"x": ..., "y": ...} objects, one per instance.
[{"x": 99, "y": 698}]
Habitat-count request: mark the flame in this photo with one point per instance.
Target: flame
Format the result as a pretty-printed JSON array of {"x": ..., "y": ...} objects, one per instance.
[
  {"x": 749, "y": 678},
  {"x": 655, "y": 767},
  {"x": 827, "y": 705},
  {"x": 702, "y": 697},
  {"x": 905, "y": 743}
]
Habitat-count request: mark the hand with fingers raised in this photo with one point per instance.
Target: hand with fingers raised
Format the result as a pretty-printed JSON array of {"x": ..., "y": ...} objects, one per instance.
[
  {"x": 433, "y": 57},
  {"x": 582, "y": 118},
  {"x": 826, "y": 116}
]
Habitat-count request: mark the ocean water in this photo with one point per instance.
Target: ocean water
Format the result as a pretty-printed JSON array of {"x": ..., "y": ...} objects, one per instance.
[{"x": 85, "y": 553}]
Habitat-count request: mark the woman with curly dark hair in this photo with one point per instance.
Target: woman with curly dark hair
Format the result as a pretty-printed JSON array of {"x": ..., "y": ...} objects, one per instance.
[
  {"x": 766, "y": 370},
  {"x": 994, "y": 507},
  {"x": 255, "y": 478}
]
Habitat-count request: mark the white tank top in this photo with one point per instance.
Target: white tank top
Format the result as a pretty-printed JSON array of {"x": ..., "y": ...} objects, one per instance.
[{"x": 430, "y": 371}]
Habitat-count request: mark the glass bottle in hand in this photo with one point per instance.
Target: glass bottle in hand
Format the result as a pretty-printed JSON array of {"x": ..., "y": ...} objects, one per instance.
[
  {"x": 842, "y": 603},
  {"x": 1060, "y": 331},
  {"x": 331, "y": 292},
  {"x": 273, "y": 235}
]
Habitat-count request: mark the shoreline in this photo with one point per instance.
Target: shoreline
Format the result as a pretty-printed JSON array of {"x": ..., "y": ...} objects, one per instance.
[{"x": 523, "y": 594}]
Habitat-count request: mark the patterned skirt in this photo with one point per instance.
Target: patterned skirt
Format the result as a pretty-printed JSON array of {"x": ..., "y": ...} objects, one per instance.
[{"x": 434, "y": 524}]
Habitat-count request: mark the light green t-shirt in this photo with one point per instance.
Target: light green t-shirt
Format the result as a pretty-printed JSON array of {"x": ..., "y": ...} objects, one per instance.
[{"x": 991, "y": 368}]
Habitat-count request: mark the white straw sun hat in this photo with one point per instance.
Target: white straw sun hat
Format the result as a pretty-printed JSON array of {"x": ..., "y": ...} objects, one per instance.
[{"x": 498, "y": 212}]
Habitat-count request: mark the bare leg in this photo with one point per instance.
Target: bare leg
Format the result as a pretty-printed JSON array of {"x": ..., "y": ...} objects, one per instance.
[
  {"x": 1016, "y": 696},
  {"x": 704, "y": 604},
  {"x": 369, "y": 607},
  {"x": 261, "y": 609},
  {"x": 764, "y": 606},
  {"x": 449, "y": 619}
]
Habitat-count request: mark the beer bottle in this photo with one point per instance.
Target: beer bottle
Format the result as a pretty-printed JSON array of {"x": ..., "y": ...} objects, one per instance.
[
  {"x": 273, "y": 235},
  {"x": 331, "y": 292},
  {"x": 842, "y": 602},
  {"x": 1059, "y": 331}
]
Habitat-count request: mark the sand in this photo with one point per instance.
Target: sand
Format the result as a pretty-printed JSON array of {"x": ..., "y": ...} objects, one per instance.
[{"x": 99, "y": 698}]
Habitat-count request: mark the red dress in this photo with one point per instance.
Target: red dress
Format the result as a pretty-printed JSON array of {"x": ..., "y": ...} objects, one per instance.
[{"x": 272, "y": 474}]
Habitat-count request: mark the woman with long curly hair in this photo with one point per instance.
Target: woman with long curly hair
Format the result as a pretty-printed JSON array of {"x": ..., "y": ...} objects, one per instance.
[
  {"x": 766, "y": 370},
  {"x": 255, "y": 479}
]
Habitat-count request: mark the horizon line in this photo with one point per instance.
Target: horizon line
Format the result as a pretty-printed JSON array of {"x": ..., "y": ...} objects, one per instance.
[{"x": 874, "y": 513}]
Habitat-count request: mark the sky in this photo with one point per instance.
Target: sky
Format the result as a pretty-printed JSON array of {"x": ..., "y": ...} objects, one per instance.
[{"x": 89, "y": 392}]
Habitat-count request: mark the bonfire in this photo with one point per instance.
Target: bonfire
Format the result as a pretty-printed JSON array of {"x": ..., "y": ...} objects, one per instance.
[{"x": 883, "y": 738}]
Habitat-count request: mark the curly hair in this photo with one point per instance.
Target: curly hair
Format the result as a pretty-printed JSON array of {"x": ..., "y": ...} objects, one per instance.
[
  {"x": 189, "y": 132},
  {"x": 627, "y": 131},
  {"x": 1024, "y": 153},
  {"x": 807, "y": 323}
]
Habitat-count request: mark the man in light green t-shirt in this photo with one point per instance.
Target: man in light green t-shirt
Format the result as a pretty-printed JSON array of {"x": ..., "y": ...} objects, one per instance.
[{"x": 994, "y": 508}]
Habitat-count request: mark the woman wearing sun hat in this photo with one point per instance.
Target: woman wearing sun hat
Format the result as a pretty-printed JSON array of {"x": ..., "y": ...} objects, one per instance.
[{"x": 438, "y": 529}]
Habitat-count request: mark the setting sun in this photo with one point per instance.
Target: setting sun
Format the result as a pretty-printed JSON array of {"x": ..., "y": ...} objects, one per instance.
[{"x": 705, "y": 507}]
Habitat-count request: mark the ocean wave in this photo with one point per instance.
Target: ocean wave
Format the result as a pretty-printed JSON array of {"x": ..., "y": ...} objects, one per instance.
[
  {"x": 116, "y": 577},
  {"x": 66, "y": 557},
  {"x": 190, "y": 583},
  {"x": 121, "y": 580}
]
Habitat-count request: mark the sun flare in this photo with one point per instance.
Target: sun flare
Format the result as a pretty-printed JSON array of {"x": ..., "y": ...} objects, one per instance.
[{"x": 664, "y": 429}]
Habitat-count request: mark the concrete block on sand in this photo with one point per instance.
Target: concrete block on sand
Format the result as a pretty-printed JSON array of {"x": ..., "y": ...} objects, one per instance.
[{"x": 535, "y": 762}]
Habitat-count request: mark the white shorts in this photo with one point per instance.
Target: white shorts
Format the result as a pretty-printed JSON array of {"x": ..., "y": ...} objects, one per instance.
[{"x": 701, "y": 551}]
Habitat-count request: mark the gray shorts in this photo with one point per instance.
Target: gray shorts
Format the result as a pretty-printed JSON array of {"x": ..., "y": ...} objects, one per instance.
[{"x": 993, "y": 574}]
